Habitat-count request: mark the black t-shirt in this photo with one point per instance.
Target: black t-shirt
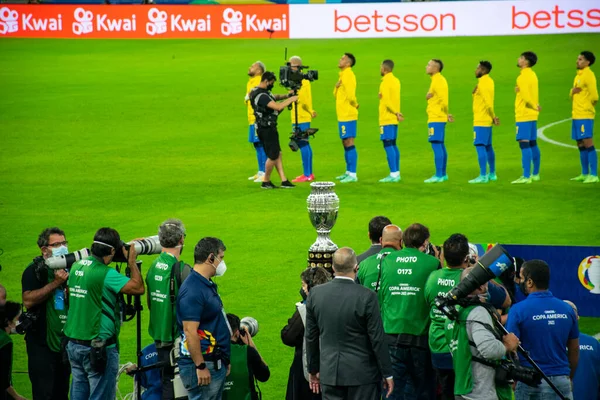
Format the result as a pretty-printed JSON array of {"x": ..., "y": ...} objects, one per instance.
[
  {"x": 29, "y": 281},
  {"x": 256, "y": 369}
]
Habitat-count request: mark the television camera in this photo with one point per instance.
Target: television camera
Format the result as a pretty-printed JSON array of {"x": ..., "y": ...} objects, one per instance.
[{"x": 291, "y": 78}]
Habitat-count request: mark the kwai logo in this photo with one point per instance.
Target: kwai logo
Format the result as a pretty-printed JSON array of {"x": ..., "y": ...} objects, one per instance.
[
  {"x": 233, "y": 22},
  {"x": 9, "y": 21},
  {"x": 84, "y": 21},
  {"x": 29, "y": 23},
  {"x": 158, "y": 22}
]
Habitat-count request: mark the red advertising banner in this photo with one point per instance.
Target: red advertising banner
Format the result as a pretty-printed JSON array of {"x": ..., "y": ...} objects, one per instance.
[{"x": 144, "y": 22}]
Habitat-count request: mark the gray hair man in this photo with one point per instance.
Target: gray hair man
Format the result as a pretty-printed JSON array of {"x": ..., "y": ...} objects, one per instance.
[
  {"x": 164, "y": 279},
  {"x": 366, "y": 362}
]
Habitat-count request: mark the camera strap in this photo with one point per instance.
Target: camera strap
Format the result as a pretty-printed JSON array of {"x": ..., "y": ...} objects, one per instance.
[{"x": 383, "y": 256}]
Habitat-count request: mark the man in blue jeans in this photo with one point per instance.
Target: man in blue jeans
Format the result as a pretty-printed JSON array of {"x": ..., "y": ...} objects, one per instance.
[
  {"x": 93, "y": 321},
  {"x": 548, "y": 329},
  {"x": 205, "y": 346}
]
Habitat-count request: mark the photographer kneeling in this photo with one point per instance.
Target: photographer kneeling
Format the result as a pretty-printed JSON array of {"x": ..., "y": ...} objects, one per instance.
[
  {"x": 246, "y": 365},
  {"x": 93, "y": 322},
  {"x": 266, "y": 109},
  {"x": 477, "y": 348}
]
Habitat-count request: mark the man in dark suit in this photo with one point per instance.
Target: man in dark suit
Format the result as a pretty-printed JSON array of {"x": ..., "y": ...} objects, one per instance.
[
  {"x": 376, "y": 225},
  {"x": 346, "y": 350}
]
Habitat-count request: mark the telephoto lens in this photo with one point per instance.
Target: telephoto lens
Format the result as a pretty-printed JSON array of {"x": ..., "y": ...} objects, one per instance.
[{"x": 250, "y": 324}]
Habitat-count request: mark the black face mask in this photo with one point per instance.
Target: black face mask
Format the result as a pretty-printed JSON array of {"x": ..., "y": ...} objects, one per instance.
[
  {"x": 523, "y": 287},
  {"x": 270, "y": 87},
  {"x": 303, "y": 294}
]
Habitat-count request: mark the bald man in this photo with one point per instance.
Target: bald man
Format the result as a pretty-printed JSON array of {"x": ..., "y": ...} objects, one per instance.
[
  {"x": 368, "y": 269},
  {"x": 341, "y": 312},
  {"x": 586, "y": 382}
]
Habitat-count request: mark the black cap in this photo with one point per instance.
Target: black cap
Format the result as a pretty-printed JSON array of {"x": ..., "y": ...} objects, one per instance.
[{"x": 268, "y": 76}]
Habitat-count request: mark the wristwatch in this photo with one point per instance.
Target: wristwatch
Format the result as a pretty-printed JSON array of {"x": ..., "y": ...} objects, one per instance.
[{"x": 201, "y": 366}]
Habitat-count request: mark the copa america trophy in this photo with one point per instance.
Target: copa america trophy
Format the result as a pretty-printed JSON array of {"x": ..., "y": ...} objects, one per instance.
[{"x": 323, "y": 205}]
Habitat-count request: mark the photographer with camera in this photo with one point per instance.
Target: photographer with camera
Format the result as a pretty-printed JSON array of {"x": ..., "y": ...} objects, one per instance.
[
  {"x": 94, "y": 320},
  {"x": 267, "y": 109},
  {"x": 305, "y": 115},
  {"x": 477, "y": 348},
  {"x": 9, "y": 315},
  {"x": 44, "y": 297},
  {"x": 548, "y": 328},
  {"x": 405, "y": 314},
  {"x": 164, "y": 278},
  {"x": 247, "y": 365},
  {"x": 204, "y": 346}
]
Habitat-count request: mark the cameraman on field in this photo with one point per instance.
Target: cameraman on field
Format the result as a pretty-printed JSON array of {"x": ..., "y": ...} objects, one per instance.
[
  {"x": 477, "y": 347},
  {"x": 247, "y": 365},
  {"x": 164, "y": 279},
  {"x": 305, "y": 116},
  {"x": 267, "y": 109},
  {"x": 44, "y": 297},
  {"x": 94, "y": 319}
]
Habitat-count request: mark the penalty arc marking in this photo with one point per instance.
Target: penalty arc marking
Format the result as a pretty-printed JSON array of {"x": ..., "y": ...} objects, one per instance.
[{"x": 540, "y": 133}]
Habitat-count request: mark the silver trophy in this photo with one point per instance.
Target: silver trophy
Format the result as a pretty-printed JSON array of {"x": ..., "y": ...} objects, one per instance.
[{"x": 323, "y": 205}]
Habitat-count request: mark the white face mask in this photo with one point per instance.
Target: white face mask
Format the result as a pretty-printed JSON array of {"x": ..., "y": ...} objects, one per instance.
[
  {"x": 221, "y": 268},
  {"x": 61, "y": 251}
]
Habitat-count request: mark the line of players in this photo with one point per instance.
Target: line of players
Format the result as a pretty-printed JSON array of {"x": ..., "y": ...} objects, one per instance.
[{"x": 584, "y": 96}]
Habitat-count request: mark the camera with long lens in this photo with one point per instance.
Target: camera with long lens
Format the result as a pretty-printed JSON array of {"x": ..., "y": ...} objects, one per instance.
[
  {"x": 251, "y": 326},
  {"x": 509, "y": 371},
  {"x": 26, "y": 321},
  {"x": 66, "y": 260},
  {"x": 145, "y": 246},
  {"x": 490, "y": 265}
]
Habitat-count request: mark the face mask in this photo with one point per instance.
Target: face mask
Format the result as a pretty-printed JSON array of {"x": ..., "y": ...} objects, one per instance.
[
  {"x": 270, "y": 87},
  {"x": 61, "y": 251},
  {"x": 523, "y": 287},
  {"x": 221, "y": 268},
  {"x": 303, "y": 294}
]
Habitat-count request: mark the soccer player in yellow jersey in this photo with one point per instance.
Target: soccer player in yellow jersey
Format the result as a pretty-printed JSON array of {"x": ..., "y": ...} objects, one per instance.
[
  {"x": 389, "y": 116},
  {"x": 437, "y": 116},
  {"x": 483, "y": 118},
  {"x": 255, "y": 72},
  {"x": 346, "y": 107},
  {"x": 527, "y": 109},
  {"x": 585, "y": 97},
  {"x": 305, "y": 116}
]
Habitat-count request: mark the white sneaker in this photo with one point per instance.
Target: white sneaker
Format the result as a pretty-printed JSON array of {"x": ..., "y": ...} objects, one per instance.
[
  {"x": 253, "y": 177},
  {"x": 259, "y": 177}
]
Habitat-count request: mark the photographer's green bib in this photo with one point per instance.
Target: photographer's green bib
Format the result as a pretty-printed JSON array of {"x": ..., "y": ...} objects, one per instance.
[
  {"x": 401, "y": 294},
  {"x": 368, "y": 272},
  {"x": 458, "y": 342},
  {"x": 86, "y": 282},
  {"x": 163, "y": 326},
  {"x": 439, "y": 283},
  {"x": 237, "y": 383},
  {"x": 56, "y": 318}
]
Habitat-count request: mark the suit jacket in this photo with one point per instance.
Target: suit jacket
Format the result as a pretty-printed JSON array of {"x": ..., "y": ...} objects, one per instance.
[
  {"x": 374, "y": 249},
  {"x": 344, "y": 335}
]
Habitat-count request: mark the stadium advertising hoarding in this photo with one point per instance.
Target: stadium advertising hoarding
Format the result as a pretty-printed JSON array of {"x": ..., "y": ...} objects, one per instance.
[{"x": 317, "y": 21}]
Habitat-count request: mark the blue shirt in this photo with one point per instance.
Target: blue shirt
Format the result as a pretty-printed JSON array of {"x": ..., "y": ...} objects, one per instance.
[
  {"x": 587, "y": 375},
  {"x": 544, "y": 324},
  {"x": 199, "y": 301}
]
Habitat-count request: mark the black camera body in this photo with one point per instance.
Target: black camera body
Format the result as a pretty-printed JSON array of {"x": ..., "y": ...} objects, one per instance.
[
  {"x": 508, "y": 371},
  {"x": 26, "y": 321},
  {"x": 293, "y": 79}
]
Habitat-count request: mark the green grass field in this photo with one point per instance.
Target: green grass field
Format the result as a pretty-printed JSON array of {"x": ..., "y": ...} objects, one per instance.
[{"x": 128, "y": 133}]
